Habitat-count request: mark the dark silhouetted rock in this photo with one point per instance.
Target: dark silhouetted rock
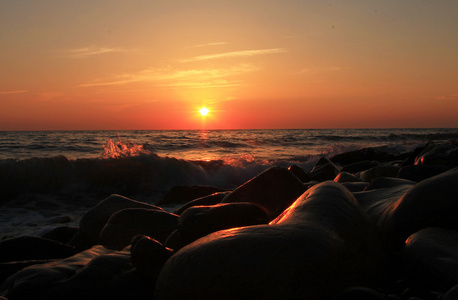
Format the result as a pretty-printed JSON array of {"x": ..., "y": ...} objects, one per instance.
[
  {"x": 33, "y": 248},
  {"x": 444, "y": 155},
  {"x": 198, "y": 221},
  {"x": 148, "y": 256},
  {"x": 430, "y": 203},
  {"x": 384, "y": 170},
  {"x": 273, "y": 190},
  {"x": 323, "y": 243},
  {"x": 175, "y": 241},
  {"x": 355, "y": 186},
  {"x": 127, "y": 223},
  {"x": 421, "y": 172},
  {"x": 431, "y": 257},
  {"x": 346, "y": 177},
  {"x": 360, "y": 166},
  {"x": 388, "y": 182},
  {"x": 95, "y": 219},
  {"x": 380, "y": 154},
  {"x": 300, "y": 173},
  {"x": 182, "y": 193},
  {"x": 95, "y": 274},
  {"x": 61, "y": 234},
  {"x": 324, "y": 170},
  {"x": 206, "y": 200}
]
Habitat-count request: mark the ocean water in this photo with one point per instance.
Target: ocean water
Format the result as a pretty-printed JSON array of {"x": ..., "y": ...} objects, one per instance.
[{"x": 50, "y": 178}]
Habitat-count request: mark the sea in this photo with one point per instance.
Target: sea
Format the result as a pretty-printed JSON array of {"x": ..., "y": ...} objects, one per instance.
[{"x": 51, "y": 178}]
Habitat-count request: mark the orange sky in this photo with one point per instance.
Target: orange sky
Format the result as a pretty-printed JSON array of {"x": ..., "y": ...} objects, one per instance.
[{"x": 253, "y": 64}]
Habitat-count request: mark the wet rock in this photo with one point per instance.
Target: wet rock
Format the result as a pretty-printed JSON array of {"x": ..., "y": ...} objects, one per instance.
[
  {"x": 182, "y": 194},
  {"x": 148, "y": 256},
  {"x": 300, "y": 173},
  {"x": 355, "y": 186},
  {"x": 33, "y": 248},
  {"x": 431, "y": 257},
  {"x": 95, "y": 219},
  {"x": 127, "y": 223},
  {"x": 198, "y": 221},
  {"x": 384, "y": 170},
  {"x": 96, "y": 273},
  {"x": 346, "y": 177},
  {"x": 380, "y": 154},
  {"x": 324, "y": 170},
  {"x": 273, "y": 190},
  {"x": 443, "y": 155},
  {"x": 421, "y": 172},
  {"x": 388, "y": 182},
  {"x": 324, "y": 234},
  {"x": 360, "y": 166},
  {"x": 62, "y": 234},
  {"x": 206, "y": 200},
  {"x": 430, "y": 203}
]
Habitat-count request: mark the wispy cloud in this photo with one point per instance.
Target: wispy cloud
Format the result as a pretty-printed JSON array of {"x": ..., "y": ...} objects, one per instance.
[
  {"x": 91, "y": 51},
  {"x": 449, "y": 97},
  {"x": 13, "y": 92},
  {"x": 179, "y": 78},
  {"x": 207, "y": 45},
  {"x": 235, "y": 54}
]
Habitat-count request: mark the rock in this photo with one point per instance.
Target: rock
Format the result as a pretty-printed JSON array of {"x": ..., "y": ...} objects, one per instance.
[
  {"x": 360, "y": 166},
  {"x": 388, "y": 182},
  {"x": 378, "y": 202},
  {"x": 431, "y": 258},
  {"x": 300, "y": 173},
  {"x": 324, "y": 242},
  {"x": 346, "y": 177},
  {"x": 380, "y": 154},
  {"x": 95, "y": 219},
  {"x": 384, "y": 170},
  {"x": 421, "y": 172},
  {"x": 206, "y": 200},
  {"x": 62, "y": 234},
  {"x": 443, "y": 155},
  {"x": 127, "y": 223},
  {"x": 273, "y": 190},
  {"x": 324, "y": 170},
  {"x": 451, "y": 294},
  {"x": 182, "y": 194},
  {"x": 148, "y": 256},
  {"x": 95, "y": 274},
  {"x": 355, "y": 186},
  {"x": 175, "y": 241},
  {"x": 33, "y": 248},
  {"x": 430, "y": 203},
  {"x": 198, "y": 221}
]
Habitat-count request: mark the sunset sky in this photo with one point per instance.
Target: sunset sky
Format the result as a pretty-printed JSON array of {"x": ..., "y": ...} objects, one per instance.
[{"x": 150, "y": 64}]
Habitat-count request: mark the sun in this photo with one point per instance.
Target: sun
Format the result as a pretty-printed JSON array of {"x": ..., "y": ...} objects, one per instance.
[{"x": 203, "y": 111}]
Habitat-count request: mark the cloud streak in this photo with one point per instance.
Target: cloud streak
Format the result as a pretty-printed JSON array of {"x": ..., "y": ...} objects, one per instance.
[
  {"x": 168, "y": 77},
  {"x": 91, "y": 51},
  {"x": 13, "y": 92},
  {"x": 207, "y": 45},
  {"x": 236, "y": 54}
]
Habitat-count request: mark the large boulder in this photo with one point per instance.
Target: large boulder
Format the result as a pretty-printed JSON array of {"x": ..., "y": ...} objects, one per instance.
[
  {"x": 127, "y": 223},
  {"x": 444, "y": 155},
  {"x": 180, "y": 194},
  {"x": 432, "y": 202},
  {"x": 92, "y": 223},
  {"x": 324, "y": 170},
  {"x": 273, "y": 190},
  {"x": 323, "y": 243},
  {"x": 206, "y": 200},
  {"x": 95, "y": 274},
  {"x": 198, "y": 221},
  {"x": 431, "y": 258}
]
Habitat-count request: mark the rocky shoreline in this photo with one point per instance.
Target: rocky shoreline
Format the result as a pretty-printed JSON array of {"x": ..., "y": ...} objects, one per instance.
[{"x": 364, "y": 224}]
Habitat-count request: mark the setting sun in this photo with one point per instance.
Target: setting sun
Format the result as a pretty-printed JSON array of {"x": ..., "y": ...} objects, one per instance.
[{"x": 204, "y": 111}]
